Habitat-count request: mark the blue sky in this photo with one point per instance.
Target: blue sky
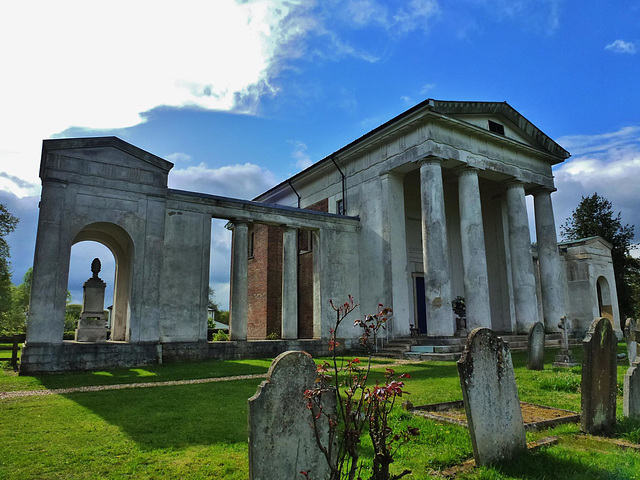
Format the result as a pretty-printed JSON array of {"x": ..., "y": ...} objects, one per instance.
[{"x": 241, "y": 95}]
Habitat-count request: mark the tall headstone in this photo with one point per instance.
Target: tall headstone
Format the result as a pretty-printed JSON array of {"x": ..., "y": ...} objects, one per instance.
[
  {"x": 564, "y": 357},
  {"x": 630, "y": 332},
  {"x": 282, "y": 441},
  {"x": 491, "y": 398},
  {"x": 631, "y": 388},
  {"x": 535, "y": 347},
  {"x": 599, "y": 379},
  {"x": 92, "y": 325}
]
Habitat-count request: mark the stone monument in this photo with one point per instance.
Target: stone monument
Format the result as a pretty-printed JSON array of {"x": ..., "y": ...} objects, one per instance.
[
  {"x": 599, "y": 379},
  {"x": 564, "y": 357},
  {"x": 491, "y": 398},
  {"x": 630, "y": 335},
  {"x": 535, "y": 347},
  {"x": 282, "y": 441},
  {"x": 631, "y": 395},
  {"x": 92, "y": 326}
]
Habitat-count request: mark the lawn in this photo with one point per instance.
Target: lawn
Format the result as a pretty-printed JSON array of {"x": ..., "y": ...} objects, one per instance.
[{"x": 200, "y": 431}]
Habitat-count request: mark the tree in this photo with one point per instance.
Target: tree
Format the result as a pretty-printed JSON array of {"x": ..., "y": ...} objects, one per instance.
[
  {"x": 7, "y": 225},
  {"x": 594, "y": 216}
]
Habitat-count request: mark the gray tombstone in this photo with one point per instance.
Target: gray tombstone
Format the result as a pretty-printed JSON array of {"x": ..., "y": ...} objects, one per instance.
[
  {"x": 491, "y": 398},
  {"x": 630, "y": 335},
  {"x": 599, "y": 379},
  {"x": 282, "y": 441},
  {"x": 92, "y": 325},
  {"x": 564, "y": 357},
  {"x": 631, "y": 395},
  {"x": 535, "y": 347}
]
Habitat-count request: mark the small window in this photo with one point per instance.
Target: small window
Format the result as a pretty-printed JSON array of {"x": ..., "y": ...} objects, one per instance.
[
  {"x": 340, "y": 207},
  {"x": 496, "y": 128},
  {"x": 251, "y": 245},
  {"x": 305, "y": 242}
]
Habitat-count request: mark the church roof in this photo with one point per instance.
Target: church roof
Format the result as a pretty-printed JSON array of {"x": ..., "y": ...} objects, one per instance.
[{"x": 452, "y": 111}]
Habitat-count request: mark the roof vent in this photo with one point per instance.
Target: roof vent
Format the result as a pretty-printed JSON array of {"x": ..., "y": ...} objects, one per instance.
[{"x": 496, "y": 128}]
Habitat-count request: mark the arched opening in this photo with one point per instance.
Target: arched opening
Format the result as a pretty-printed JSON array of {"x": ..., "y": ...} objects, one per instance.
[
  {"x": 119, "y": 243},
  {"x": 605, "y": 309}
]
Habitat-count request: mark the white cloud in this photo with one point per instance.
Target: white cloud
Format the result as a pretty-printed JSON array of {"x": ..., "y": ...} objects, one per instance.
[
  {"x": 178, "y": 157},
  {"x": 102, "y": 64},
  {"x": 300, "y": 155},
  {"x": 237, "y": 181},
  {"x": 621, "y": 46},
  {"x": 608, "y": 164}
]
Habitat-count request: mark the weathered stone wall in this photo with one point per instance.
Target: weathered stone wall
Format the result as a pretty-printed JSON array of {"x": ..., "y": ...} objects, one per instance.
[{"x": 70, "y": 356}]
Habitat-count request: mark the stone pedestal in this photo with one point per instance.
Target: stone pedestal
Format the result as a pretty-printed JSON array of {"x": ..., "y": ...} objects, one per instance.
[{"x": 92, "y": 326}]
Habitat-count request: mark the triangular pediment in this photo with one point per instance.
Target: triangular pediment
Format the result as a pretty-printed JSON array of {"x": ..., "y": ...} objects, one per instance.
[{"x": 500, "y": 119}]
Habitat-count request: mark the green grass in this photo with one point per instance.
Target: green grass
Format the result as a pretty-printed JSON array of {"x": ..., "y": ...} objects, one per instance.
[{"x": 200, "y": 431}]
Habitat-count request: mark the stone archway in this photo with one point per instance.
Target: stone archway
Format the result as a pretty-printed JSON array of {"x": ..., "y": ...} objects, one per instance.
[
  {"x": 118, "y": 241},
  {"x": 605, "y": 307}
]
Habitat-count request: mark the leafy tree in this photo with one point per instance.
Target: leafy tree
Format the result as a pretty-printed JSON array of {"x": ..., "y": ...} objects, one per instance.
[
  {"x": 7, "y": 225},
  {"x": 594, "y": 216},
  {"x": 71, "y": 316}
]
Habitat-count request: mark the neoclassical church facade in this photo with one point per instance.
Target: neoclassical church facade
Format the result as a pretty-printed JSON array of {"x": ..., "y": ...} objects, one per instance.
[
  {"x": 427, "y": 207},
  {"x": 440, "y": 196}
]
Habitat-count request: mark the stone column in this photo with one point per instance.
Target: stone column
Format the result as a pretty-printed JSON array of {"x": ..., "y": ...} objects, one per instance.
[
  {"x": 394, "y": 232},
  {"x": 289, "y": 283},
  {"x": 553, "y": 288},
  {"x": 474, "y": 257},
  {"x": 435, "y": 250},
  {"x": 524, "y": 282},
  {"x": 239, "y": 281}
]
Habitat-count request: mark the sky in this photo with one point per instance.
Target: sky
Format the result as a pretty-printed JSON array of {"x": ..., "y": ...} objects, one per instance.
[{"x": 240, "y": 95}]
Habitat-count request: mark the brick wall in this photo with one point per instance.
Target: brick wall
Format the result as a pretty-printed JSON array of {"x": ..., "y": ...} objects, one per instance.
[{"x": 265, "y": 282}]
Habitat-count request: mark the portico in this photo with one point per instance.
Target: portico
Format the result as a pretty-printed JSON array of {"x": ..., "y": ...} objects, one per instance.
[{"x": 440, "y": 191}]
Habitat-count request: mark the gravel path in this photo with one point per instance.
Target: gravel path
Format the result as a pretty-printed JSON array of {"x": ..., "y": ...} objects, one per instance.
[
  {"x": 120, "y": 386},
  {"x": 62, "y": 391}
]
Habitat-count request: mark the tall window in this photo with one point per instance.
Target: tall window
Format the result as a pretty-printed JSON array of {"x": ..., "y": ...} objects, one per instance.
[{"x": 340, "y": 207}]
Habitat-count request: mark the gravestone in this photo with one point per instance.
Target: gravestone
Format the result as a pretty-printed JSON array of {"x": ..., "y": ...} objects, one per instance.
[
  {"x": 631, "y": 388},
  {"x": 630, "y": 333},
  {"x": 599, "y": 379},
  {"x": 491, "y": 398},
  {"x": 92, "y": 325},
  {"x": 282, "y": 441},
  {"x": 564, "y": 357},
  {"x": 535, "y": 347}
]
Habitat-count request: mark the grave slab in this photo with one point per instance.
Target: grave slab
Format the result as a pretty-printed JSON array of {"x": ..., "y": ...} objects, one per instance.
[
  {"x": 599, "y": 379},
  {"x": 535, "y": 347},
  {"x": 490, "y": 398},
  {"x": 282, "y": 441}
]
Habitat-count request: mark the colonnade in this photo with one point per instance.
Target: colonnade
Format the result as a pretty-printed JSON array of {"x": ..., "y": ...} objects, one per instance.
[
  {"x": 476, "y": 286},
  {"x": 238, "y": 308}
]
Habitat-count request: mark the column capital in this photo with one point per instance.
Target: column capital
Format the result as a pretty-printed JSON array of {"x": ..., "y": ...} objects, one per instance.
[
  {"x": 391, "y": 173},
  {"x": 466, "y": 170},
  {"x": 430, "y": 159},
  {"x": 539, "y": 191},
  {"x": 514, "y": 183}
]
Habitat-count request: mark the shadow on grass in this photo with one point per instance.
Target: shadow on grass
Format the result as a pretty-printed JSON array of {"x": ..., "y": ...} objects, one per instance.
[
  {"x": 174, "y": 417},
  {"x": 155, "y": 373},
  {"x": 559, "y": 464}
]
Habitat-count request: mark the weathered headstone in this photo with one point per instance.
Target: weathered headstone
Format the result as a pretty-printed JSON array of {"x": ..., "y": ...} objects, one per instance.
[
  {"x": 630, "y": 335},
  {"x": 491, "y": 398},
  {"x": 564, "y": 357},
  {"x": 631, "y": 389},
  {"x": 599, "y": 378},
  {"x": 535, "y": 347},
  {"x": 92, "y": 325},
  {"x": 282, "y": 440}
]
